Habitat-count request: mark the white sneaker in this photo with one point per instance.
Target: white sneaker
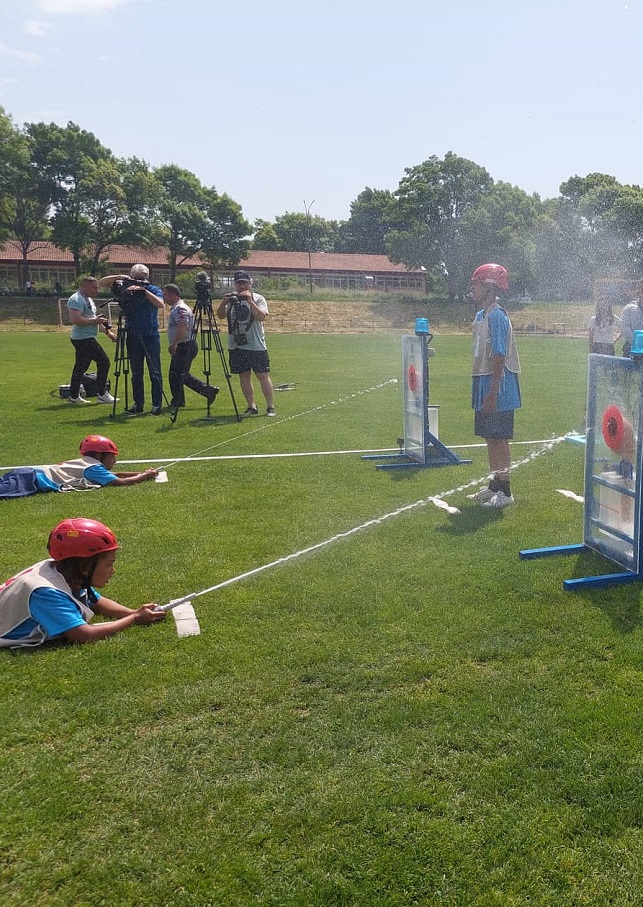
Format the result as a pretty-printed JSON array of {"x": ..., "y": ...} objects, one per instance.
[
  {"x": 106, "y": 398},
  {"x": 77, "y": 400},
  {"x": 481, "y": 496},
  {"x": 500, "y": 499}
]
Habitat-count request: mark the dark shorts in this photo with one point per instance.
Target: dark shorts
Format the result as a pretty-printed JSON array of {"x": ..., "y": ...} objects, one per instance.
[
  {"x": 494, "y": 425},
  {"x": 257, "y": 361}
]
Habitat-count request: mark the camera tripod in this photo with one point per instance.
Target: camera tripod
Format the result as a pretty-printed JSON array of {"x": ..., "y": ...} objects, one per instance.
[
  {"x": 122, "y": 363},
  {"x": 205, "y": 331}
]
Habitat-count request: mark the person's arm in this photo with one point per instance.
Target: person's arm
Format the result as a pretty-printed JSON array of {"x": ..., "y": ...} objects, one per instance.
[
  {"x": 93, "y": 632},
  {"x": 134, "y": 478},
  {"x": 222, "y": 309},
  {"x": 110, "y": 278},
  {"x": 490, "y": 401},
  {"x": 591, "y": 332},
  {"x": 499, "y": 335},
  {"x": 99, "y": 475},
  {"x": 154, "y": 298},
  {"x": 77, "y": 318},
  {"x": 259, "y": 312}
]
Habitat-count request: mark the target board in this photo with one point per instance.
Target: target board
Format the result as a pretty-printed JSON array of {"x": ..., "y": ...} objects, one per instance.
[
  {"x": 414, "y": 370},
  {"x": 612, "y": 472}
]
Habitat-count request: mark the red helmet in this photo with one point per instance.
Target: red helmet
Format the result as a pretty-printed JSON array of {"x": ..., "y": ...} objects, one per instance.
[
  {"x": 80, "y": 538},
  {"x": 491, "y": 273},
  {"x": 97, "y": 444}
]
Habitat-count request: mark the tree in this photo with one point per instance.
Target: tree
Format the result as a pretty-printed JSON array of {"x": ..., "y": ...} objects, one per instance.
[
  {"x": 502, "y": 228},
  {"x": 117, "y": 199},
  {"x": 608, "y": 219},
  {"x": 68, "y": 157},
  {"x": 372, "y": 217},
  {"x": 434, "y": 198},
  {"x": 265, "y": 237},
  {"x": 25, "y": 194},
  {"x": 305, "y": 233},
  {"x": 194, "y": 220}
]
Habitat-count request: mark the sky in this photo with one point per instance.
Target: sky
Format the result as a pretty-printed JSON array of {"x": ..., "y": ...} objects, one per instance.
[{"x": 295, "y": 105}]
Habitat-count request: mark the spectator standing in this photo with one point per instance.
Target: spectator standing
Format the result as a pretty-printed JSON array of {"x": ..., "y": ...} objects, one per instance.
[
  {"x": 495, "y": 385},
  {"x": 603, "y": 326},
  {"x": 632, "y": 319},
  {"x": 246, "y": 312},
  {"x": 86, "y": 323}
]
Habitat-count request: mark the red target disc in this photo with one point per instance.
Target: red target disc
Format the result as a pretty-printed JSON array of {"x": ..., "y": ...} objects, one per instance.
[
  {"x": 617, "y": 431},
  {"x": 413, "y": 378}
]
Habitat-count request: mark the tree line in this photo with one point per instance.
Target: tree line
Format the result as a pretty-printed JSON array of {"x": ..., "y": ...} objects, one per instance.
[{"x": 61, "y": 185}]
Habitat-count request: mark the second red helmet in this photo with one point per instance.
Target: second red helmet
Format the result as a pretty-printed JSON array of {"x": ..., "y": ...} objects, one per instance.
[
  {"x": 492, "y": 273},
  {"x": 97, "y": 444}
]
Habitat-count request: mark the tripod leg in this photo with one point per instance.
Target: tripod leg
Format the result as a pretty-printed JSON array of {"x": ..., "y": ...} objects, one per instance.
[
  {"x": 214, "y": 330},
  {"x": 121, "y": 363}
]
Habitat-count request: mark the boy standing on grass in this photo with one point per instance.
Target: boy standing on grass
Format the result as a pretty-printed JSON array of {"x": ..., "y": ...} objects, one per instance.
[
  {"x": 496, "y": 387},
  {"x": 93, "y": 469}
]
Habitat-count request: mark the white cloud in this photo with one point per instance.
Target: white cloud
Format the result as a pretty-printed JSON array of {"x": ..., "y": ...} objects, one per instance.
[
  {"x": 10, "y": 55},
  {"x": 80, "y": 6},
  {"x": 36, "y": 28}
]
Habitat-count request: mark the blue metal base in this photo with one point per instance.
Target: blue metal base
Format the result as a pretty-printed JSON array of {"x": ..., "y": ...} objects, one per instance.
[
  {"x": 586, "y": 582},
  {"x": 435, "y": 454}
]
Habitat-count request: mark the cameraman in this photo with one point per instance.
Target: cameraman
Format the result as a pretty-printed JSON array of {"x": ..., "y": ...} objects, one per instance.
[
  {"x": 246, "y": 312},
  {"x": 140, "y": 302}
]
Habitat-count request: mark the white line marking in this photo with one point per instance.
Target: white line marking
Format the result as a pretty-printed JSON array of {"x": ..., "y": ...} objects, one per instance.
[
  {"x": 194, "y": 458},
  {"x": 571, "y": 494},
  {"x": 433, "y": 499}
]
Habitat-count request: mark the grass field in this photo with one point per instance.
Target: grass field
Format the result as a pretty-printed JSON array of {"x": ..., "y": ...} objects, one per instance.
[{"x": 408, "y": 716}]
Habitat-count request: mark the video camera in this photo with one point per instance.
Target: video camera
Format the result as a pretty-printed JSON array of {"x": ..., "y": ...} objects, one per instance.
[
  {"x": 202, "y": 289},
  {"x": 239, "y": 312},
  {"x": 121, "y": 295}
]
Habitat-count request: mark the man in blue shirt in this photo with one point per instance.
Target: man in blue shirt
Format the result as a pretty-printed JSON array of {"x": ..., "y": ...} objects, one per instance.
[
  {"x": 141, "y": 302},
  {"x": 495, "y": 386}
]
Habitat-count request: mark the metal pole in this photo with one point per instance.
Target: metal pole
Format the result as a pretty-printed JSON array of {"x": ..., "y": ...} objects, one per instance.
[{"x": 310, "y": 266}]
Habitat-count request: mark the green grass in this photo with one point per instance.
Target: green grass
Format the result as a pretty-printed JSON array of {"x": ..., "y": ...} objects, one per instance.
[{"x": 410, "y": 716}]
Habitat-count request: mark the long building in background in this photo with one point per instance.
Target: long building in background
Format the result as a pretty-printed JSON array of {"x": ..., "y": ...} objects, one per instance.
[{"x": 47, "y": 264}]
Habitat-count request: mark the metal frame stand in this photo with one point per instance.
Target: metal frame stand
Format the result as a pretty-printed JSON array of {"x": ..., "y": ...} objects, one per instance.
[
  {"x": 419, "y": 448},
  {"x": 612, "y": 524}
]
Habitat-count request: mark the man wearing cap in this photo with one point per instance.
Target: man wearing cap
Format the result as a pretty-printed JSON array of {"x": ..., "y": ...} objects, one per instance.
[
  {"x": 632, "y": 319},
  {"x": 246, "y": 312}
]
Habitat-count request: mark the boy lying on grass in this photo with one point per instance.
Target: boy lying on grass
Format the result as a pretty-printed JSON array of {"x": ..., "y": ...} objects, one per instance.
[
  {"x": 57, "y": 598},
  {"x": 93, "y": 469}
]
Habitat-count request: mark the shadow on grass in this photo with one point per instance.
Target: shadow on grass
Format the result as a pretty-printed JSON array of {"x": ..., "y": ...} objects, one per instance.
[
  {"x": 621, "y": 603},
  {"x": 470, "y": 519}
]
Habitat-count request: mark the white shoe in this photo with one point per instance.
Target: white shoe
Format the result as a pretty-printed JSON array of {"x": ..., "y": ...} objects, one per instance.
[
  {"x": 482, "y": 496},
  {"x": 77, "y": 400},
  {"x": 106, "y": 398},
  {"x": 500, "y": 499}
]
